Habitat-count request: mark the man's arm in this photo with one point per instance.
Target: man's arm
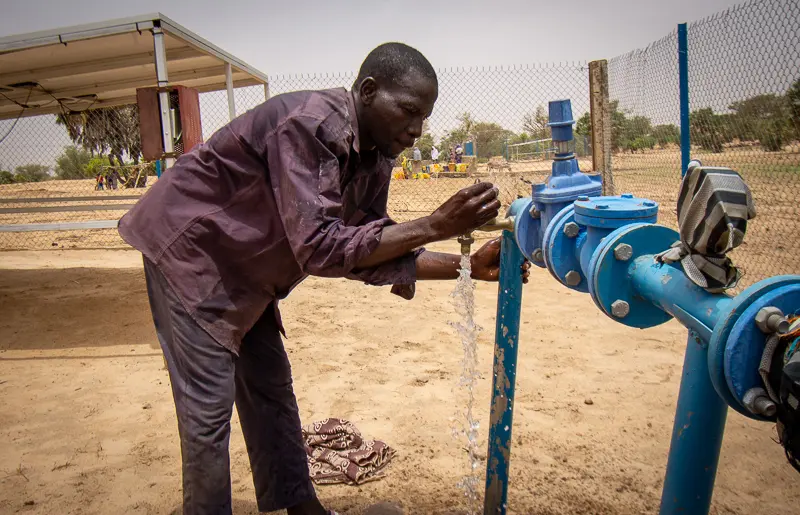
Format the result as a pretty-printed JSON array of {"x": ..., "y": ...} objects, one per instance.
[
  {"x": 304, "y": 175},
  {"x": 484, "y": 263},
  {"x": 466, "y": 210}
]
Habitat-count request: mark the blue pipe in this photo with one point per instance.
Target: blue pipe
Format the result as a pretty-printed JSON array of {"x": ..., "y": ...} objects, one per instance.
[
  {"x": 696, "y": 438},
  {"x": 509, "y": 304},
  {"x": 668, "y": 287},
  {"x": 700, "y": 415}
]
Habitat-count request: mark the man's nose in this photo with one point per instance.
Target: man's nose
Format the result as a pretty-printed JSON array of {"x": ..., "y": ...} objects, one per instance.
[{"x": 415, "y": 129}]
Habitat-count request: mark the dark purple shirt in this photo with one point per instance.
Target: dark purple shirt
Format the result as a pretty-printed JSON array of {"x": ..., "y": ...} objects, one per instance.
[{"x": 282, "y": 192}]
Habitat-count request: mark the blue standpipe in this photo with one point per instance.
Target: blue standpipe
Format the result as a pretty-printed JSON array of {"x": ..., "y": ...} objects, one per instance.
[
  {"x": 509, "y": 304},
  {"x": 700, "y": 415},
  {"x": 696, "y": 438}
]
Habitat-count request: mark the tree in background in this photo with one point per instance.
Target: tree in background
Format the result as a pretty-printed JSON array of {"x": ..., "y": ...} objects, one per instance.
[
  {"x": 457, "y": 136},
  {"x": 763, "y": 118},
  {"x": 522, "y": 137},
  {"x": 6, "y": 177},
  {"x": 536, "y": 124},
  {"x": 618, "y": 121},
  {"x": 72, "y": 163},
  {"x": 109, "y": 131},
  {"x": 706, "y": 129},
  {"x": 793, "y": 97},
  {"x": 31, "y": 173},
  {"x": 584, "y": 125},
  {"x": 666, "y": 134},
  {"x": 636, "y": 127},
  {"x": 490, "y": 139}
]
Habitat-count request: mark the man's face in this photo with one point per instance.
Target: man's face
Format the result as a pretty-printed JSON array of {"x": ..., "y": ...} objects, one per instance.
[{"x": 393, "y": 113}]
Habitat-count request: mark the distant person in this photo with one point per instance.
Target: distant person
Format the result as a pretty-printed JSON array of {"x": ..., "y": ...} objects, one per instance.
[
  {"x": 434, "y": 154},
  {"x": 459, "y": 153},
  {"x": 99, "y": 179},
  {"x": 417, "y": 154},
  {"x": 112, "y": 179},
  {"x": 296, "y": 186},
  {"x": 452, "y": 155}
]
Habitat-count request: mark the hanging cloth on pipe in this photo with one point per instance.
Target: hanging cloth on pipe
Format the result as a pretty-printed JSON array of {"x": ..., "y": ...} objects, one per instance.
[{"x": 714, "y": 206}]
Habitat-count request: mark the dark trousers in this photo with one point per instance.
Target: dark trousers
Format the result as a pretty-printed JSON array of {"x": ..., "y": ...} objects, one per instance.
[{"x": 206, "y": 380}]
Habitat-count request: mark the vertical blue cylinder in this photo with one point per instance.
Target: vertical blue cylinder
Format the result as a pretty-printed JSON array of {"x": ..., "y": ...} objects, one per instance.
[
  {"x": 696, "y": 438},
  {"x": 509, "y": 303},
  {"x": 683, "y": 79},
  {"x": 158, "y": 168}
]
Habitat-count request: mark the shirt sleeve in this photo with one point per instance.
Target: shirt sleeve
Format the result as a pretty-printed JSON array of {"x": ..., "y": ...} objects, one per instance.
[
  {"x": 305, "y": 174},
  {"x": 401, "y": 273}
]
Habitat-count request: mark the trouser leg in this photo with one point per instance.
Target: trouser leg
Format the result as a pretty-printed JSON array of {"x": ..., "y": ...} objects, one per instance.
[
  {"x": 202, "y": 374},
  {"x": 270, "y": 418}
]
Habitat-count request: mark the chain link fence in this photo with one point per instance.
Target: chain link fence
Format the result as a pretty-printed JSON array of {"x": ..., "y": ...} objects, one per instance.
[
  {"x": 744, "y": 94},
  {"x": 85, "y": 167},
  {"x": 496, "y": 115},
  {"x": 57, "y": 171},
  {"x": 744, "y": 98}
]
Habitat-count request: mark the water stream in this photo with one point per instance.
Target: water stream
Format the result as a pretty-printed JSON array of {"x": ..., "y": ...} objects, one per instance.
[{"x": 466, "y": 425}]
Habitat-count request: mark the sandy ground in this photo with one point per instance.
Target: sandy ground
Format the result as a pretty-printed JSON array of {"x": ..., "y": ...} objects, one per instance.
[{"x": 87, "y": 423}]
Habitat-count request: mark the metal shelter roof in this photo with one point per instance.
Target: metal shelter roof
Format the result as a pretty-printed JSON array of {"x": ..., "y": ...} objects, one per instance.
[{"x": 102, "y": 64}]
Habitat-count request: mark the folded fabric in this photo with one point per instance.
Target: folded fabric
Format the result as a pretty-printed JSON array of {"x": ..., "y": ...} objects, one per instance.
[{"x": 338, "y": 454}]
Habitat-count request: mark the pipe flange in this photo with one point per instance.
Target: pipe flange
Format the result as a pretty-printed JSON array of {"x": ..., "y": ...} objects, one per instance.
[
  {"x": 746, "y": 341},
  {"x": 559, "y": 250},
  {"x": 609, "y": 282},
  {"x": 720, "y": 335},
  {"x": 526, "y": 229}
]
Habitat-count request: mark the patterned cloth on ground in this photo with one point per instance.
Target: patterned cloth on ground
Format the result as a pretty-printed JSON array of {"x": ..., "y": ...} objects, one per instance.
[{"x": 338, "y": 454}]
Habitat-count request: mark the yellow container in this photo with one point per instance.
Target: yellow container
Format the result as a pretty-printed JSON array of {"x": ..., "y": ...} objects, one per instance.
[{"x": 461, "y": 167}]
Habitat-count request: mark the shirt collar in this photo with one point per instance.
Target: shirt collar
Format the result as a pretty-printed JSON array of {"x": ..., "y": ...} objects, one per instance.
[{"x": 351, "y": 108}]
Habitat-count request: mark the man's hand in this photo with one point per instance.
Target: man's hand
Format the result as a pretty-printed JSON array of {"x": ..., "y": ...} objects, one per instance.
[
  {"x": 486, "y": 263},
  {"x": 466, "y": 210}
]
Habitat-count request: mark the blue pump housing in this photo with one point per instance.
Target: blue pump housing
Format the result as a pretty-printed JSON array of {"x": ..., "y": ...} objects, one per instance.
[{"x": 564, "y": 186}]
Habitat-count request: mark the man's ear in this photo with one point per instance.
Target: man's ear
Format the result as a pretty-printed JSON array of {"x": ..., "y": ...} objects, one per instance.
[{"x": 367, "y": 90}]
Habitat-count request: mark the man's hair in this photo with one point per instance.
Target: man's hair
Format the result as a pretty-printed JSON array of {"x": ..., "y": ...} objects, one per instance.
[{"x": 389, "y": 62}]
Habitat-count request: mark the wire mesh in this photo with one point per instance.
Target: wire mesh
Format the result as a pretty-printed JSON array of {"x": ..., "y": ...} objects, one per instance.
[
  {"x": 744, "y": 66},
  {"x": 58, "y": 170},
  {"x": 487, "y": 111},
  {"x": 79, "y": 168},
  {"x": 645, "y": 121},
  {"x": 744, "y": 96},
  {"x": 744, "y": 92}
]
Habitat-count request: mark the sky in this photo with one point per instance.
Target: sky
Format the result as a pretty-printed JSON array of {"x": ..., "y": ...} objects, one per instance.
[{"x": 334, "y": 36}]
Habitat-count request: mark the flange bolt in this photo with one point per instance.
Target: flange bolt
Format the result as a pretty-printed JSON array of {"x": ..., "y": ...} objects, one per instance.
[
  {"x": 571, "y": 230},
  {"x": 573, "y": 278},
  {"x": 623, "y": 252},
  {"x": 771, "y": 320},
  {"x": 620, "y": 308}
]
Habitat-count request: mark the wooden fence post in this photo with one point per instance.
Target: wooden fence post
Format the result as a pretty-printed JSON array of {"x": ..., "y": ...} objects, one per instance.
[{"x": 601, "y": 123}]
